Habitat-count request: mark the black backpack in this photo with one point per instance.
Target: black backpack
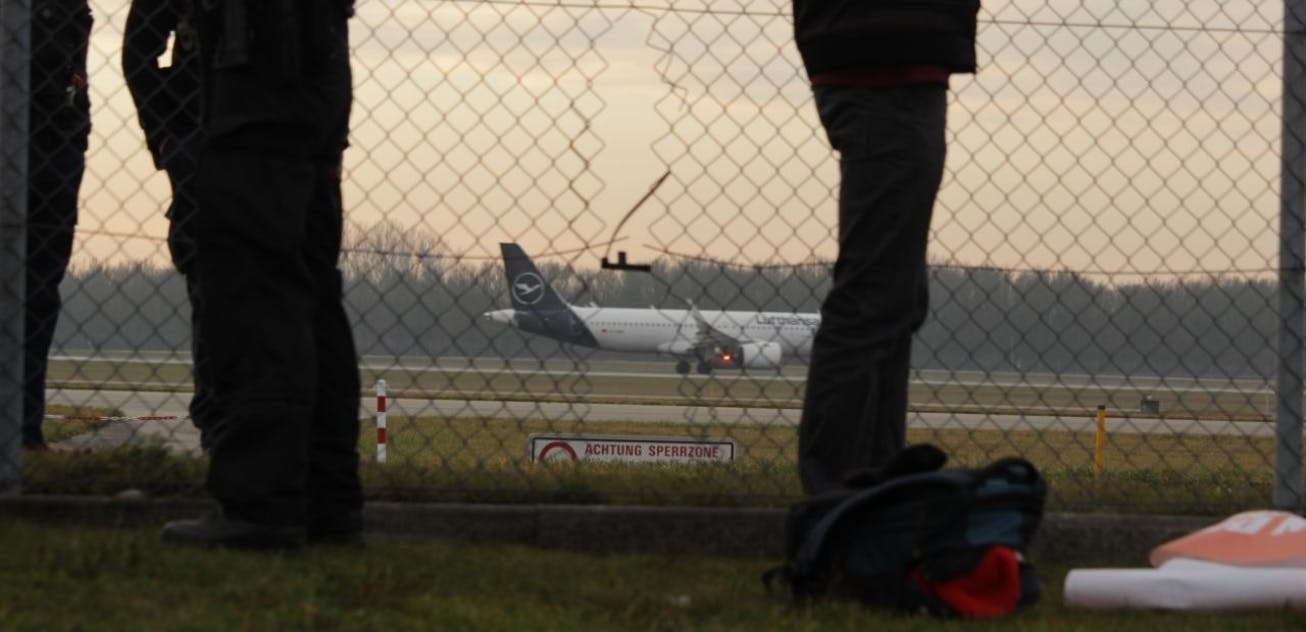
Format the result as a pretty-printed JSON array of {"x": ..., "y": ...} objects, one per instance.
[{"x": 914, "y": 536}]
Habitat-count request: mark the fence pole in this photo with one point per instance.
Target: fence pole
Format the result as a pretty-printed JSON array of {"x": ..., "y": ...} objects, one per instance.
[
  {"x": 380, "y": 422},
  {"x": 1292, "y": 269},
  {"x": 14, "y": 50},
  {"x": 1099, "y": 443}
]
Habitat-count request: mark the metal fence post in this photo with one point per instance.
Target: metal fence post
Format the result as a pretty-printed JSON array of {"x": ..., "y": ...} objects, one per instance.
[
  {"x": 1292, "y": 262},
  {"x": 14, "y": 51}
]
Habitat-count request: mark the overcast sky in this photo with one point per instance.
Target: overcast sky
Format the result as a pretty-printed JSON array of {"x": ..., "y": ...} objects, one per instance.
[{"x": 1125, "y": 137}]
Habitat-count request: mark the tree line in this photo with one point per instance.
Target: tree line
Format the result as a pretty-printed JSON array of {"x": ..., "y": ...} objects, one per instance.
[{"x": 981, "y": 319}]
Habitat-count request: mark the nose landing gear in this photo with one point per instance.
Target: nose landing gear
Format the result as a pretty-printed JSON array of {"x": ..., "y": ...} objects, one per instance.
[{"x": 703, "y": 367}]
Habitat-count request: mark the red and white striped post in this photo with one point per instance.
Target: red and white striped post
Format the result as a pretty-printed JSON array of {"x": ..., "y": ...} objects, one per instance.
[{"x": 380, "y": 421}]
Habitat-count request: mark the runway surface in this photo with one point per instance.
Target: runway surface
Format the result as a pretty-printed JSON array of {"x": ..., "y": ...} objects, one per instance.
[{"x": 162, "y": 415}]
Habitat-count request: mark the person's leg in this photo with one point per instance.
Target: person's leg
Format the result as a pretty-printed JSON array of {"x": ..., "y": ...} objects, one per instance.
[
  {"x": 48, "y": 251},
  {"x": 335, "y": 495},
  {"x": 203, "y": 408},
  {"x": 888, "y": 416},
  {"x": 56, "y": 166},
  {"x": 258, "y": 303},
  {"x": 891, "y": 159}
]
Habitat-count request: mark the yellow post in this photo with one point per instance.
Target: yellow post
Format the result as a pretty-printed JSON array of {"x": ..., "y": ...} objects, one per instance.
[{"x": 1099, "y": 451}]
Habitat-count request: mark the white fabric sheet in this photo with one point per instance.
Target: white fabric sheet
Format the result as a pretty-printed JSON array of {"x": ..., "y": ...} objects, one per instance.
[{"x": 1188, "y": 585}]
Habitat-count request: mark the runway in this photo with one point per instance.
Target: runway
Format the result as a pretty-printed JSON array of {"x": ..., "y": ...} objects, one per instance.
[
  {"x": 657, "y": 369},
  {"x": 162, "y": 398}
]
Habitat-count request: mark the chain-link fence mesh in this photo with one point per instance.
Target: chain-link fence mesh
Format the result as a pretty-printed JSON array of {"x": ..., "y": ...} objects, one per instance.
[{"x": 1106, "y": 236}]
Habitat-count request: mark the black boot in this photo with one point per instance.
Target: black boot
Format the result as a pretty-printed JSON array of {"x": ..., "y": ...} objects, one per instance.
[{"x": 224, "y": 531}]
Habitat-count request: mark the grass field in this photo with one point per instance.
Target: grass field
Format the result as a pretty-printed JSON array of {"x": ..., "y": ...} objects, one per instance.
[
  {"x": 84, "y": 579},
  {"x": 485, "y": 460}
]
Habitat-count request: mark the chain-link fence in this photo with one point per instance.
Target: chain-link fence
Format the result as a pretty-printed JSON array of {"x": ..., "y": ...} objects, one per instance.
[{"x": 1105, "y": 256}]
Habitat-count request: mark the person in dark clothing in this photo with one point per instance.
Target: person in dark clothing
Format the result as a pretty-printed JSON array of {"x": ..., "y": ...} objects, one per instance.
[
  {"x": 276, "y": 100},
  {"x": 879, "y": 71},
  {"x": 168, "y": 107},
  {"x": 59, "y": 128}
]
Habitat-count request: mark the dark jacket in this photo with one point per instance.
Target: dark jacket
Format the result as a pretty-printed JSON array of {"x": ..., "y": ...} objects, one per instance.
[
  {"x": 849, "y": 34},
  {"x": 167, "y": 98},
  {"x": 276, "y": 76},
  {"x": 60, "y": 106}
]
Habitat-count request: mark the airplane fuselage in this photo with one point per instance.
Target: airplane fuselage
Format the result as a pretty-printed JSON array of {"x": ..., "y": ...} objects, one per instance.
[
  {"x": 666, "y": 331},
  {"x": 673, "y": 331}
]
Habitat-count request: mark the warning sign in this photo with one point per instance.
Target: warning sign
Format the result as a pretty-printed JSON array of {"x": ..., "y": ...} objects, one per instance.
[{"x": 637, "y": 449}]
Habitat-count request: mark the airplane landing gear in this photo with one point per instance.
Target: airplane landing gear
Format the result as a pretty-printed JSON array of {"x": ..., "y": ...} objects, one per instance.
[
  {"x": 704, "y": 368},
  {"x": 682, "y": 367}
]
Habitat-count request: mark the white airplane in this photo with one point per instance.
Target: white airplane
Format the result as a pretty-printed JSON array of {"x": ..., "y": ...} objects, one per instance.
[{"x": 706, "y": 340}]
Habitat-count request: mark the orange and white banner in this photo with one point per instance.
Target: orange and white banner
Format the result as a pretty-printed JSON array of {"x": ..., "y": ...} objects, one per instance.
[
  {"x": 1252, "y": 538},
  {"x": 1254, "y": 560}
]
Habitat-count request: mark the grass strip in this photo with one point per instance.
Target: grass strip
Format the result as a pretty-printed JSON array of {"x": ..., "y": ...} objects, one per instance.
[
  {"x": 90, "y": 579},
  {"x": 438, "y": 459}
]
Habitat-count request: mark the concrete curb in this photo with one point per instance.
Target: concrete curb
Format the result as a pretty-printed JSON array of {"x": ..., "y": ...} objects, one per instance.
[{"x": 757, "y": 533}]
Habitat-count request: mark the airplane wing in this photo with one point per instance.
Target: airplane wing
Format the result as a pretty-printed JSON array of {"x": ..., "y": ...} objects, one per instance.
[{"x": 708, "y": 335}]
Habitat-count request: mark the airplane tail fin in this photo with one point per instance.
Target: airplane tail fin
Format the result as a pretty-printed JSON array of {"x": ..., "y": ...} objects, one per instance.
[{"x": 526, "y": 285}]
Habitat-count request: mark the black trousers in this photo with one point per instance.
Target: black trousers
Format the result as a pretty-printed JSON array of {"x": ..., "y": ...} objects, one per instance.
[
  {"x": 55, "y": 167},
  {"x": 891, "y": 146},
  {"x": 280, "y": 351}
]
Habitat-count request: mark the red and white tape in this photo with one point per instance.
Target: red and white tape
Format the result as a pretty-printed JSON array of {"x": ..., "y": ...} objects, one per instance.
[{"x": 93, "y": 420}]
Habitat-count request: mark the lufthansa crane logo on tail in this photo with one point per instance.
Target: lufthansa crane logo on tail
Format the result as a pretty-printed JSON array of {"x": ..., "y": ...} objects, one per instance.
[{"x": 528, "y": 288}]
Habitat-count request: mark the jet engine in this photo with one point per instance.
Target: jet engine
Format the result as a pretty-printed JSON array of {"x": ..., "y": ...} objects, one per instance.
[{"x": 750, "y": 355}]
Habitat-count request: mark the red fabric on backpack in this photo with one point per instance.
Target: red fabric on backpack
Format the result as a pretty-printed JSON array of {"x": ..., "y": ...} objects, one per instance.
[{"x": 989, "y": 589}]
